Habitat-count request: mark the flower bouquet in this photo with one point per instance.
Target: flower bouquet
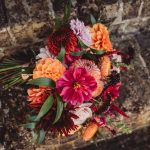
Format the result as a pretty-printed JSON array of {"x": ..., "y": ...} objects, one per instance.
[{"x": 73, "y": 82}]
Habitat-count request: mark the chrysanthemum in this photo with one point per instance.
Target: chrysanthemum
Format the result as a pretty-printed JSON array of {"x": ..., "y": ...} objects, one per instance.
[
  {"x": 90, "y": 67},
  {"x": 49, "y": 68},
  {"x": 36, "y": 97},
  {"x": 81, "y": 31},
  {"x": 100, "y": 38},
  {"x": 76, "y": 86},
  {"x": 63, "y": 37}
]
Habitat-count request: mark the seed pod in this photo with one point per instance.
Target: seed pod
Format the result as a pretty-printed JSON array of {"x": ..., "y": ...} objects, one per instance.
[
  {"x": 105, "y": 66},
  {"x": 99, "y": 89},
  {"x": 89, "y": 131}
]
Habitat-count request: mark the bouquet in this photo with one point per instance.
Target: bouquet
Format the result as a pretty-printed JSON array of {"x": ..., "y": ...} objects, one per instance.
[{"x": 73, "y": 82}]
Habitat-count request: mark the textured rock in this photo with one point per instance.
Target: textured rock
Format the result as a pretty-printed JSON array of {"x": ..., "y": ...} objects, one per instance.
[{"x": 28, "y": 23}]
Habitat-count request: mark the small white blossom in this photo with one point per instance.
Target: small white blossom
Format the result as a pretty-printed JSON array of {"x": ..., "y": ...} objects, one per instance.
[{"x": 44, "y": 53}]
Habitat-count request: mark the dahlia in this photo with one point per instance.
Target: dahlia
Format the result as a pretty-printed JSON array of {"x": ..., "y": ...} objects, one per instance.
[
  {"x": 36, "y": 97},
  {"x": 100, "y": 38},
  {"x": 81, "y": 31},
  {"x": 63, "y": 37},
  {"x": 49, "y": 68},
  {"x": 76, "y": 86},
  {"x": 90, "y": 67}
]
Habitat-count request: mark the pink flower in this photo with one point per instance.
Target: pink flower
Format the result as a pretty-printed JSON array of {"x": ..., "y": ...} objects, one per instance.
[
  {"x": 81, "y": 31},
  {"x": 76, "y": 86}
]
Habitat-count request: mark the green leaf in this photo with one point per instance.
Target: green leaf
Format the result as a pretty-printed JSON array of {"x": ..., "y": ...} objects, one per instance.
[
  {"x": 42, "y": 82},
  {"x": 80, "y": 53},
  {"x": 31, "y": 118},
  {"x": 45, "y": 107},
  {"x": 35, "y": 136},
  {"x": 98, "y": 52},
  {"x": 67, "y": 11},
  {"x": 59, "y": 109},
  {"x": 29, "y": 125},
  {"x": 93, "y": 20},
  {"x": 41, "y": 136},
  {"x": 57, "y": 23},
  {"x": 82, "y": 44},
  {"x": 90, "y": 57},
  {"x": 61, "y": 54},
  {"x": 9, "y": 68}
]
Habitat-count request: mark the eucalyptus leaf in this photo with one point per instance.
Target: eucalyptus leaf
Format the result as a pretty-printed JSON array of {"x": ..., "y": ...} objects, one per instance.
[
  {"x": 98, "y": 52},
  {"x": 29, "y": 125},
  {"x": 67, "y": 11},
  {"x": 45, "y": 107},
  {"x": 42, "y": 82},
  {"x": 60, "y": 107},
  {"x": 61, "y": 54},
  {"x": 93, "y": 20},
  {"x": 41, "y": 136},
  {"x": 35, "y": 136},
  {"x": 80, "y": 53},
  {"x": 57, "y": 23},
  {"x": 82, "y": 44}
]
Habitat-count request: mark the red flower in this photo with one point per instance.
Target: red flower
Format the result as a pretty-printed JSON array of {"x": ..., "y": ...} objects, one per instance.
[
  {"x": 112, "y": 91},
  {"x": 76, "y": 86},
  {"x": 63, "y": 37}
]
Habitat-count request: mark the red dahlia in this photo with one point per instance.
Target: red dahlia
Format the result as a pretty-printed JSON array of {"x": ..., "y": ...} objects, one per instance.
[{"x": 63, "y": 37}]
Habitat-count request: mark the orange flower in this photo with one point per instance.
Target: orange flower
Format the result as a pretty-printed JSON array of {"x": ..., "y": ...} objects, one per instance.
[
  {"x": 89, "y": 131},
  {"x": 100, "y": 38},
  {"x": 49, "y": 68},
  {"x": 105, "y": 66},
  {"x": 99, "y": 89},
  {"x": 36, "y": 97}
]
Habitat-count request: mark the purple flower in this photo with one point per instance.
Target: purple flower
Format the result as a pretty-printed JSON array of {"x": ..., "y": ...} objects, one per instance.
[
  {"x": 76, "y": 86},
  {"x": 81, "y": 31}
]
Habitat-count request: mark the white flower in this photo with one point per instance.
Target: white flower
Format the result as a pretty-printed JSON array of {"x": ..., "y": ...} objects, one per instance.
[
  {"x": 44, "y": 53},
  {"x": 83, "y": 112},
  {"x": 117, "y": 58}
]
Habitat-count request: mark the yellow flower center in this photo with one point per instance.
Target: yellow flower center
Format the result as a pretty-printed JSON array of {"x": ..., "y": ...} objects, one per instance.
[{"x": 76, "y": 85}]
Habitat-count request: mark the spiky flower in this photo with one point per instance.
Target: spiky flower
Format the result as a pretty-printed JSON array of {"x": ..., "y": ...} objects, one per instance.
[{"x": 90, "y": 67}]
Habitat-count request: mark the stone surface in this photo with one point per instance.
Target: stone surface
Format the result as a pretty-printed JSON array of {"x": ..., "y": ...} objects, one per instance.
[{"x": 30, "y": 23}]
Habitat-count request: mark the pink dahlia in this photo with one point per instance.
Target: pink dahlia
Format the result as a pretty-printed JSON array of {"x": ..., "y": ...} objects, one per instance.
[{"x": 76, "y": 86}]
